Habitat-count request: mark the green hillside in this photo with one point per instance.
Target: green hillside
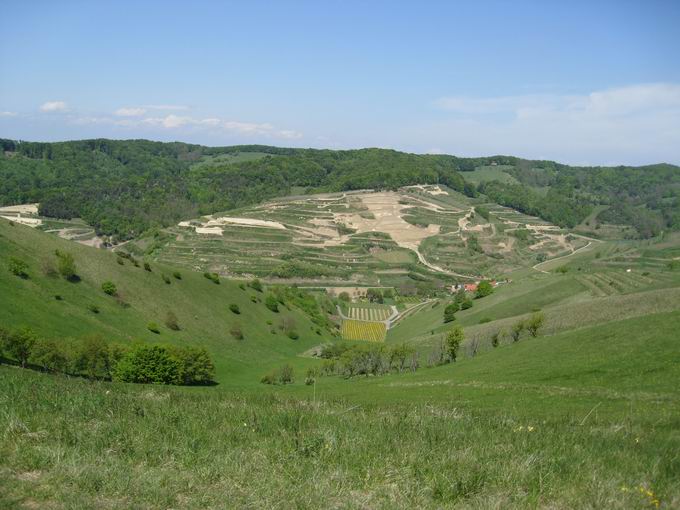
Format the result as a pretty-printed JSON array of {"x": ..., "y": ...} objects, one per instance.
[{"x": 201, "y": 306}]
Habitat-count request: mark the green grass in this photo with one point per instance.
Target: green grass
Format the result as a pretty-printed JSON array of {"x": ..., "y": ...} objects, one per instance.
[
  {"x": 201, "y": 306},
  {"x": 603, "y": 416}
]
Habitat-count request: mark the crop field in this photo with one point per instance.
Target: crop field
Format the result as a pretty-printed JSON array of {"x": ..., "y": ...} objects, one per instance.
[
  {"x": 363, "y": 330},
  {"x": 367, "y": 312}
]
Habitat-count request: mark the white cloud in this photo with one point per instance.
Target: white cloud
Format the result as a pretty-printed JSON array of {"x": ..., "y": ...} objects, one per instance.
[
  {"x": 633, "y": 124},
  {"x": 54, "y": 106},
  {"x": 8, "y": 114},
  {"x": 130, "y": 112},
  {"x": 173, "y": 122},
  {"x": 166, "y": 107}
]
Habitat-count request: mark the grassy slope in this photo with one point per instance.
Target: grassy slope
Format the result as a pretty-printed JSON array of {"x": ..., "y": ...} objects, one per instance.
[
  {"x": 602, "y": 403},
  {"x": 201, "y": 306}
]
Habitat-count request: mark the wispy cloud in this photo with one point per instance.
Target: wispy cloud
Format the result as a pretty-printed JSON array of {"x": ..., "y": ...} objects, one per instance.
[
  {"x": 8, "y": 114},
  {"x": 173, "y": 121},
  {"x": 135, "y": 117},
  {"x": 54, "y": 106},
  {"x": 138, "y": 111},
  {"x": 625, "y": 124},
  {"x": 130, "y": 112}
]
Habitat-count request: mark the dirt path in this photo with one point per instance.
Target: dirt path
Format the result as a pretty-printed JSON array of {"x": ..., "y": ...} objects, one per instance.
[{"x": 536, "y": 266}]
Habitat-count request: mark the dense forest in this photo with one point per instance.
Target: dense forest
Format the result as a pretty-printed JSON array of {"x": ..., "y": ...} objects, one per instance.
[
  {"x": 647, "y": 197},
  {"x": 126, "y": 187}
]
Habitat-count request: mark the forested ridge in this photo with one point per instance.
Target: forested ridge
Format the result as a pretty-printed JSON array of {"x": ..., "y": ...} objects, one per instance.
[{"x": 126, "y": 187}]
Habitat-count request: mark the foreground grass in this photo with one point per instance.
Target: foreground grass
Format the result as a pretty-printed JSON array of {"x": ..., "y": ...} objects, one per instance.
[{"x": 77, "y": 444}]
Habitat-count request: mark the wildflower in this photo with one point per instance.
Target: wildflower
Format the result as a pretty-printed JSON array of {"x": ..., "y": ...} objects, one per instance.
[{"x": 530, "y": 428}]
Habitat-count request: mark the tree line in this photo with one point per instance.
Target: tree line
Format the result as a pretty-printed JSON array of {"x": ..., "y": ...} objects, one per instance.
[{"x": 95, "y": 358}]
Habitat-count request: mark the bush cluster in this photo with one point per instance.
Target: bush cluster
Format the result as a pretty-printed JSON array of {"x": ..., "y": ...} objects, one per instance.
[
  {"x": 283, "y": 375},
  {"x": 18, "y": 267},
  {"x": 367, "y": 359},
  {"x": 66, "y": 266},
  {"x": 109, "y": 288},
  {"x": 95, "y": 358},
  {"x": 213, "y": 277}
]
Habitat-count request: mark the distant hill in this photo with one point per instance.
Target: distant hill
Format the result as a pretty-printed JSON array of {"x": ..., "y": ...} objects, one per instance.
[{"x": 126, "y": 187}]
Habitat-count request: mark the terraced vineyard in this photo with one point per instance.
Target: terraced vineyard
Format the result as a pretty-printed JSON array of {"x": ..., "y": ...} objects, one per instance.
[
  {"x": 369, "y": 312},
  {"x": 427, "y": 236},
  {"x": 363, "y": 330}
]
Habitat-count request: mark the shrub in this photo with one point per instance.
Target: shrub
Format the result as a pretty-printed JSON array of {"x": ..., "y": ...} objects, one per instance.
[
  {"x": 49, "y": 355},
  {"x": 293, "y": 335},
  {"x": 453, "y": 340},
  {"x": 450, "y": 312},
  {"x": 286, "y": 375},
  {"x": 18, "y": 267},
  {"x": 171, "y": 321},
  {"x": 196, "y": 365},
  {"x": 149, "y": 364},
  {"x": 153, "y": 327},
  {"x": 147, "y": 267},
  {"x": 272, "y": 303},
  {"x": 484, "y": 320},
  {"x": 234, "y": 308},
  {"x": 483, "y": 289},
  {"x": 92, "y": 358},
  {"x": 58, "y": 297},
  {"x": 166, "y": 278},
  {"x": 93, "y": 308},
  {"x": 177, "y": 275},
  {"x": 242, "y": 286},
  {"x": 120, "y": 261},
  {"x": 18, "y": 344},
  {"x": 109, "y": 288},
  {"x": 214, "y": 277},
  {"x": 495, "y": 339},
  {"x": 466, "y": 304},
  {"x": 67, "y": 266},
  {"x": 256, "y": 284},
  {"x": 311, "y": 376},
  {"x": 535, "y": 323},
  {"x": 517, "y": 329},
  {"x": 253, "y": 299},
  {"x": 344, "y": 296}
]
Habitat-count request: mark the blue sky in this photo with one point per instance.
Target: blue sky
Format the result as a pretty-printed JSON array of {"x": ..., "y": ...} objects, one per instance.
[{"x": 593, "y": 82}]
